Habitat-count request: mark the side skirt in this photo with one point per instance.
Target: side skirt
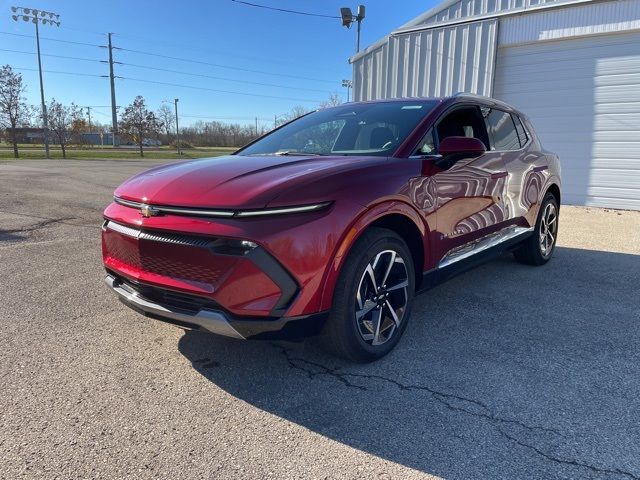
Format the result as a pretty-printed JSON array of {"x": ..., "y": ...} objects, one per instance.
[{"x": 485, "y": 250}]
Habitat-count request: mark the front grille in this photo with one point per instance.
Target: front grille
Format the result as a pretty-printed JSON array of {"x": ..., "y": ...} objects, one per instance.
[
  {"x": 179, "y": 256},
  {"x": 180, "y": 301}
]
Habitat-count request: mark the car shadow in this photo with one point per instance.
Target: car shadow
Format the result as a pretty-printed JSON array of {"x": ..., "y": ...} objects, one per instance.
[{"x": 507, "y": 371}]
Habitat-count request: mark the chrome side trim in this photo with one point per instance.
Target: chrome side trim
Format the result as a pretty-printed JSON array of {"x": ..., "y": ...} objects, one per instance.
[
  {"x": 211, "y": 320},
  {"x": 483, "y": 244}
]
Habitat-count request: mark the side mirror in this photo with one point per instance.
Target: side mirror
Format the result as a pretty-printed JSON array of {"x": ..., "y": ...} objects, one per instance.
[{"x": 461, "y": 147}]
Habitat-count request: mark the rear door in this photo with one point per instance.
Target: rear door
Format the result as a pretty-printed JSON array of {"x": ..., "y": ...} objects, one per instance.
[{"x": 510, "y": 140}]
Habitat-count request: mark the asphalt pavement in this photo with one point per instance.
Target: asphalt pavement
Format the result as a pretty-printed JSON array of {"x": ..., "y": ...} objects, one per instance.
[{"x": 505, "y": 372}]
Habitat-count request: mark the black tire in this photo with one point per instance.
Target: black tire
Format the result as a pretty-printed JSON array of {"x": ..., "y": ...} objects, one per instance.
[
  {"x": 533, "y": 251},
  {"x": 344, "y": 333}
]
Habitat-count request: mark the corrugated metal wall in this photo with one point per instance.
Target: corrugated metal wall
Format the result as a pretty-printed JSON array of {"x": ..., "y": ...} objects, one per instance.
[
  {"x": 474, "y": 8},
  {"x": 575, "y": 21},
  {"x": 370, "y": 75},
  {"x": 430, "y": 63}
]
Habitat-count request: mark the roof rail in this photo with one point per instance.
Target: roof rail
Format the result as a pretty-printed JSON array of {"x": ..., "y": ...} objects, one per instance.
[{"x": 467, "y": 94}]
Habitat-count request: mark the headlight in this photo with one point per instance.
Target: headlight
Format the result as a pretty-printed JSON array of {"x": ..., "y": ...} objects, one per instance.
[
  {"x": 204, "y": 212},
  {"x": 282, "y": 210}
]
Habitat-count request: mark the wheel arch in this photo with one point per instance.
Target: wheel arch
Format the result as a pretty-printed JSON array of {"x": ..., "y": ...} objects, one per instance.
[
  {"x": 398, "y": 217},
  {"x": 554, "y": 189}
]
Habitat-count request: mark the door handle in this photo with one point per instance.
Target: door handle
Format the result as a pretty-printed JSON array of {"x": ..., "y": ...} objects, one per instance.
[{"x": 499, "y": 175}]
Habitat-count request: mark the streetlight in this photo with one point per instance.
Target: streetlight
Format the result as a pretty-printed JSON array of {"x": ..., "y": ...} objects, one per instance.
[
  {"x": 348, "y": 84},
  {"x": 37, "y": 17},
  {"x": 348, "y": 18}
]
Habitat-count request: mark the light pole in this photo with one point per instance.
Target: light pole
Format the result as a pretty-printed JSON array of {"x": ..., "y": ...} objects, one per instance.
[
  {"x": 348, "y": 84},
  {"x": 175, "y": 103},
  {"x": 348, "y": 18},
  {"x": 37, "y": 17}
]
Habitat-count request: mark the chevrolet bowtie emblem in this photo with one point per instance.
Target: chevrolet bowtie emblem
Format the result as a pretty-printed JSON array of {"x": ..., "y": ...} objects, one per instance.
[{"x": 149, "y": 211}]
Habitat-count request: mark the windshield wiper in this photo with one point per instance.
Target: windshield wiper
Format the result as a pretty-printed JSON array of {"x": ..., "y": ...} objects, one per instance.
[{"x": 298, "y": 154}]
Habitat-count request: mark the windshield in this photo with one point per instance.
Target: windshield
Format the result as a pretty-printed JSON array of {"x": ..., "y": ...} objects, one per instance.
[{"x": 351, "y": 129}]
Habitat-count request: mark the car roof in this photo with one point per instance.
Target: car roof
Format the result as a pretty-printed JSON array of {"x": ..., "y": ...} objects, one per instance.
[{"x": 451, "y": 99}]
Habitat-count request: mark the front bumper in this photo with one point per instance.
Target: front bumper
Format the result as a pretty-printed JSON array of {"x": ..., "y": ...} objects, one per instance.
[{"x": 198, "y": 317}]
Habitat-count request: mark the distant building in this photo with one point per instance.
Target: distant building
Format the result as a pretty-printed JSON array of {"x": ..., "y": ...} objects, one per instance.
[
  {"x": 26, "y": 135},
  {"x": 97, "y": 138}
]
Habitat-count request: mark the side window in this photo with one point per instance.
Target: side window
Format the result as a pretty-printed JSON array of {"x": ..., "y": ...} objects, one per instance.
[
  {"x": 522, "y": 133},
  {"x": 502, "y": 130},
  {"x": 427, "y": 145},
  {"x": 463, "y": 122}
]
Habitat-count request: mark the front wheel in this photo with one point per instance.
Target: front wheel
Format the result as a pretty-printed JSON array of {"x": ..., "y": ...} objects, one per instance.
[
  {"x": 538, "y": 248},
  {"x": 373, "y": 296}
]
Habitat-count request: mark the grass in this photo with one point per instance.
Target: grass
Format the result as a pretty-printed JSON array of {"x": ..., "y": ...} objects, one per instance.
[{"x": 97, "y": 153}]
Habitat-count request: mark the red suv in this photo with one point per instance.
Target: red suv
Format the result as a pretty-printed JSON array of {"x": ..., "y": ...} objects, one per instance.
[{"x": 333, "y": 222}]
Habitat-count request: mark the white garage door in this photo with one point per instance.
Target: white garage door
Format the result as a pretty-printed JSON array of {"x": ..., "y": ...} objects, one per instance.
[{"x": 583, "y": 97}]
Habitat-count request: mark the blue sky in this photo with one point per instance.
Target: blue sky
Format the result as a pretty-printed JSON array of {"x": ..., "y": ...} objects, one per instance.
[{"x": 303, "y": 58}]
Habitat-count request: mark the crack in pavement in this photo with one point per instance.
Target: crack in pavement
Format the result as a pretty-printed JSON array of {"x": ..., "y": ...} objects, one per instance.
[
  {"x": 45, "y": 222},
  {"x": 50, "y": 220},
  {"x": 575, "y": 463},
  {"x": 315, "y": 369}
]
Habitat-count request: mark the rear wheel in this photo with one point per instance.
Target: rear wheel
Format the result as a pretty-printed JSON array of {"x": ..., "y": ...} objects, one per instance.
[
  {"x": 372, "y": 299},
  {"x": 538, "y": 248}
]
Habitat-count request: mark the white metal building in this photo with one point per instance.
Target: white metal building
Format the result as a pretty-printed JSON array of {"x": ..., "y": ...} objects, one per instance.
[{"x": 573, "y": 66}]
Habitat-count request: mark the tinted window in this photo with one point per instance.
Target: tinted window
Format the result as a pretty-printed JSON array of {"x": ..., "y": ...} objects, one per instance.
[
  {"x": 502, "y": 130},
  {"x": 427, "y": 145},
  {"x": 463, "y": 122},
  {"x": 522, "y": 133},
  {"x": 351, "y": 129}
]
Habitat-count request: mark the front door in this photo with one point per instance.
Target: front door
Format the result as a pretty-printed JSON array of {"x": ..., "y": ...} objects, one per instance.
[{"x": 469, "y": 193}]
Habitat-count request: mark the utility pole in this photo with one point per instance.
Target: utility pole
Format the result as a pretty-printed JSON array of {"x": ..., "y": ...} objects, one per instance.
[
  {"x": 175, "y": 103},
  {"x": 256, "y": 126},
  {"x": 37, "y": 17},
  {"x": 112, "y": 80},
  {"x": 89, "y": 114},
  {"x": 275, "y": 121}
]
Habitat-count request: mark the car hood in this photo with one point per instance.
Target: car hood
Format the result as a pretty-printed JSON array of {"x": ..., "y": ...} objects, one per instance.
[{"x": 234, "y": 180}]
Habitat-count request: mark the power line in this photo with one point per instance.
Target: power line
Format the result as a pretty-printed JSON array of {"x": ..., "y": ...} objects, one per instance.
[
  {"x": 209, "y": 117},
  {"x": 187, "y": 60},
  {"x": 284, "y": 10},
  {"x": 57, "y": 71},
  {"x": 200, "y": 62},
  {"x": 219, "y": 91},
  {"x": 50, "y": 39},
  {"x": 147, "y": 67},
  {"x": 50, "y": 55}
]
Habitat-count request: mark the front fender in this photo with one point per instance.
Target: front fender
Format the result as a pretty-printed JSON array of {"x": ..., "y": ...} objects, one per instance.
[{"x": 355, "y": 231}]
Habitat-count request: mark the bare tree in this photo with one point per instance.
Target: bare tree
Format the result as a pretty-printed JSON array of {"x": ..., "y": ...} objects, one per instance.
[
  {"x": 14, "y": 111},
  {"x": 166, "y": 116},
  {"x": 138, "y": 123},
  {"x": 333, "y": 101},
  {"x": 294, "y": 113},
  {"x": 61, "y": 120}
]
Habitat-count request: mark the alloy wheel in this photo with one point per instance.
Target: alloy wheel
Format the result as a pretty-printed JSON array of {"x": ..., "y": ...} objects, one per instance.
[
  {"x": 548, "y": 229},
  {"x": 382, "y": 297}
]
